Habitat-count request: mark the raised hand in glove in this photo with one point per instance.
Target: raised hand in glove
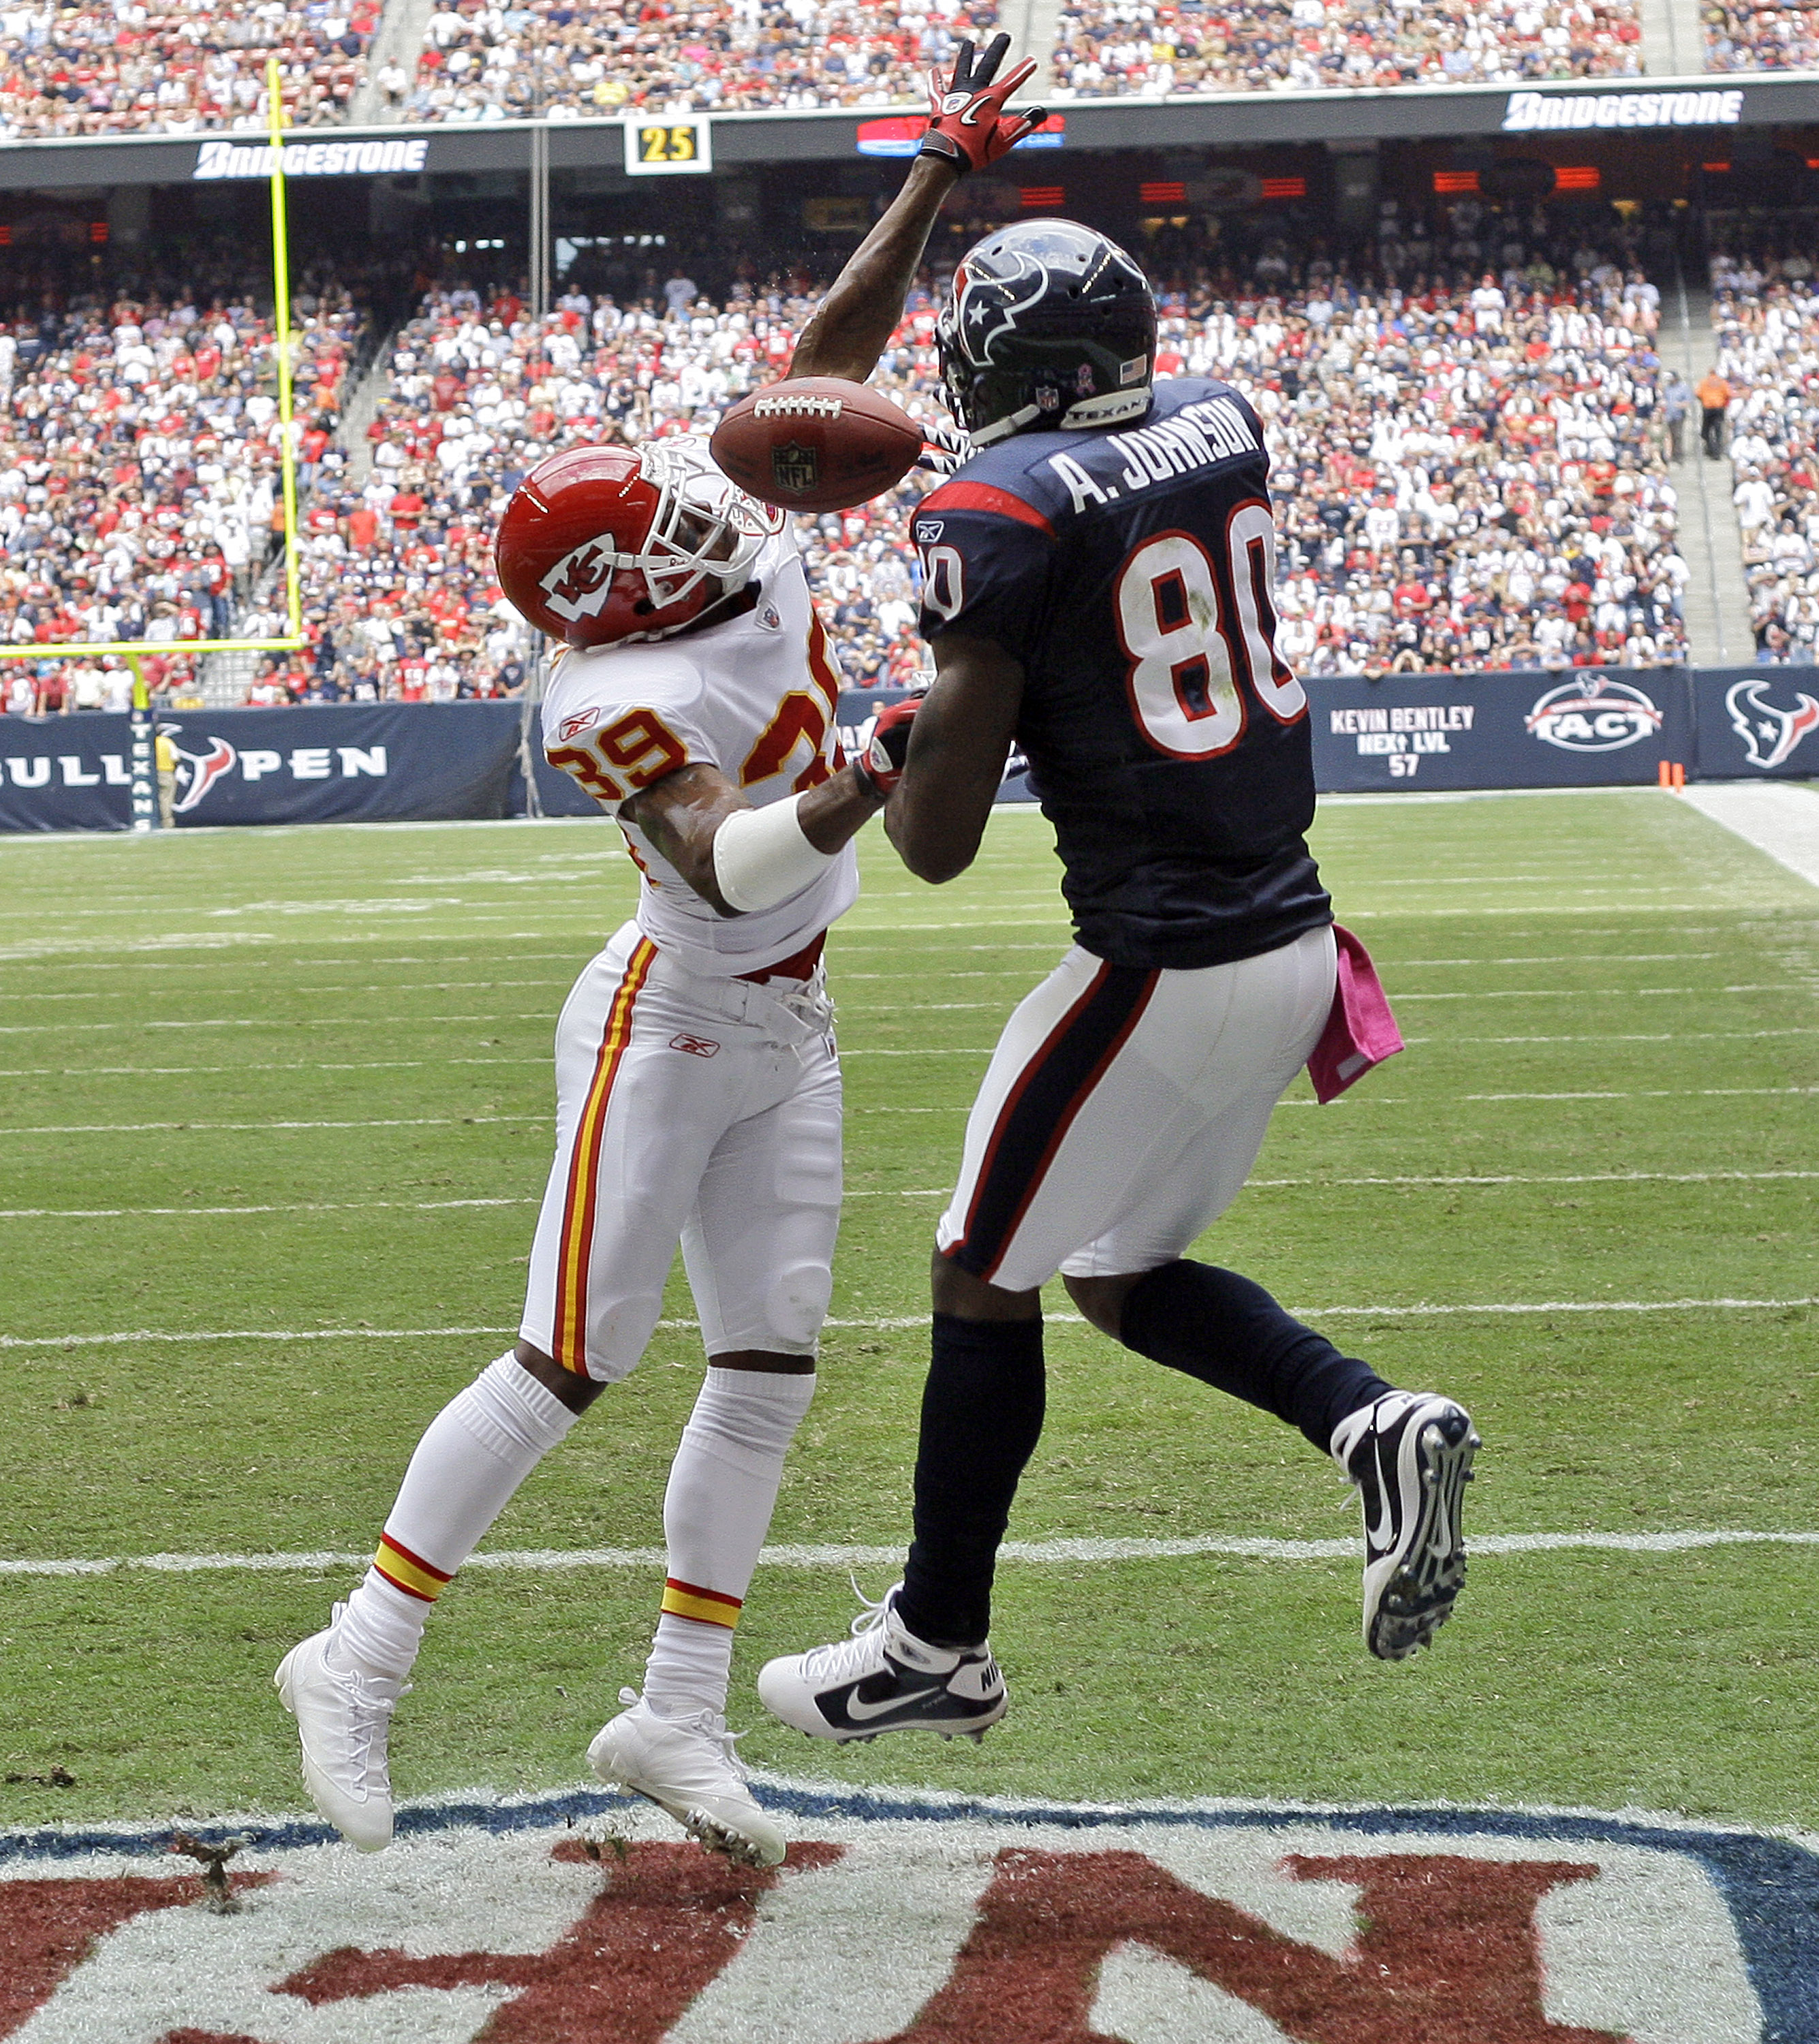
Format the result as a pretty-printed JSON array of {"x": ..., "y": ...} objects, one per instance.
[
  {"x": 880, "y": 766},
  {"x": 968, "y": 126}
]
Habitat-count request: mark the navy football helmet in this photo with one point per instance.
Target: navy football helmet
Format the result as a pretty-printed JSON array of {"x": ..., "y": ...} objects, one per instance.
[{"x": 1047, "y": 324}]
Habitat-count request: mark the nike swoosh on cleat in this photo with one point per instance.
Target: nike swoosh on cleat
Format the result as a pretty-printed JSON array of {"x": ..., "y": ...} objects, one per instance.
[
  {"x": 859, "y": 1713},
  {"x": 1380, "y": 1535}
]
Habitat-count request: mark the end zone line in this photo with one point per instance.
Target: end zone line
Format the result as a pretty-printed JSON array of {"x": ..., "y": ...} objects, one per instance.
[
  {"x": 900, "y": 1322},
  {"x": 817, "y": 1556}
]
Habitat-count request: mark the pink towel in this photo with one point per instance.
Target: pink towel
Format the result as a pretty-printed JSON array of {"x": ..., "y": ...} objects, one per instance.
[{"x": 1361, "y": 1031}]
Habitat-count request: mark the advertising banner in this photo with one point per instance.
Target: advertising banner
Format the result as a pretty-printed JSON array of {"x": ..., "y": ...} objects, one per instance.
[
  {"x": 1758, "y": 721},
  {"x": 394, "y": 763},
  {"x": 424, "y": 762},
  {"x": 1587, "y": 727}
]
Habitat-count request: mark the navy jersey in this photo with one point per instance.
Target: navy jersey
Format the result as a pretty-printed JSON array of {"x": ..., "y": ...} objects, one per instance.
[{"x": 1132, "y": 573}]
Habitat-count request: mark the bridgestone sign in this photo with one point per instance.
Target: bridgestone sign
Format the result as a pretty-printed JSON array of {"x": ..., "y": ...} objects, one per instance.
[
  {"x": 312, "y": 159},
  {"x": 1530, "y": 111}
]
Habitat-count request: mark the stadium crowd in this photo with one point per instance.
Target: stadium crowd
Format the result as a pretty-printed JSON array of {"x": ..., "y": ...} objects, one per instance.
[
  {"x": 481, "y": 63},
  {"x": 139, "y": 465},
  {"x": 1758, "y": 37},
  {"x": 1470, "y": 471},
  {"x": 1468, "y": 456},
  {"x": 1105, "y": 48},
  {"x": 182, "y": 67},
  {"x": 1765, "y": 309},
  {"x": 176, "y": 66}
]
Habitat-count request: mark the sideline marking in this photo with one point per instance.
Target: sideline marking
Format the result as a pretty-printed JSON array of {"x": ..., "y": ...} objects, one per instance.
[
  {"x": 824, "y": 1556},
  {"x": 899, "y": 1323},
  {"x": 911, "y": 1192},
  {"x": 1778, "y": 820}
]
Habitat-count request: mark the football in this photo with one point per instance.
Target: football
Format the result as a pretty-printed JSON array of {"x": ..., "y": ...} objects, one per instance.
[{"x": 816, "y": 443}]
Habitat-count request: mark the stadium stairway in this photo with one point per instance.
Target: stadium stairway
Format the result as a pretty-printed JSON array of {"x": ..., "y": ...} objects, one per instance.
[
  {"x": 1031, "y": 24},
  {"x": 402, "y": 28},
  {"x": 1718, "y": 597},
  {"x": 365, "y": 399},
  {"x": 1672, "y": 41}
]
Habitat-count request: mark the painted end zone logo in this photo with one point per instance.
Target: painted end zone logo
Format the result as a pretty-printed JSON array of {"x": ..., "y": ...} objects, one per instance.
[{"x": 579, "y": 1918}]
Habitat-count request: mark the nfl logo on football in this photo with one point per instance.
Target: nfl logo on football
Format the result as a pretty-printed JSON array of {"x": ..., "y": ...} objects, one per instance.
[{"x": 795, "y": 468}]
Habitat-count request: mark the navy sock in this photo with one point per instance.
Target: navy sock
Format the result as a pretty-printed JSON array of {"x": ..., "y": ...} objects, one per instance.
[
  {"x": 981, "y": 1417},
  {"x": 1228, "y": 1332}
]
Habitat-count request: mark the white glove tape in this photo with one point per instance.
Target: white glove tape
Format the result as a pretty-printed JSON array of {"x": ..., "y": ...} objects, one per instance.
[{"x": 761, "y": 857}]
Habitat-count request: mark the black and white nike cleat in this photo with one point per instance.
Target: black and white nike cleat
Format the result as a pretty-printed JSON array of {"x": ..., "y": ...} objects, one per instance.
[
  {"x": 1409, "y": 1457},
  {"x": 884, "y": 1679}
]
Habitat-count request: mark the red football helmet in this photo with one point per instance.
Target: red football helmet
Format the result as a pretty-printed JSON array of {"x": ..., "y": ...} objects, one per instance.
[{"x": 602, "y": 544}]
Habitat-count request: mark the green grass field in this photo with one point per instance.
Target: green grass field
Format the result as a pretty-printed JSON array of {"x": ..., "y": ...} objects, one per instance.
[{"x": 254, "y": 1079}]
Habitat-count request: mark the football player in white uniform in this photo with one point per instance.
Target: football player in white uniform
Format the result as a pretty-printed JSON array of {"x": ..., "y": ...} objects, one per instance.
[{"x": 698, "y": 1092}]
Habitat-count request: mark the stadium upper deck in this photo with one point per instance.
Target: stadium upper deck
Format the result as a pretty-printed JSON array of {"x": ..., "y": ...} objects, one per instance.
[{"x": 176, "y": 68}]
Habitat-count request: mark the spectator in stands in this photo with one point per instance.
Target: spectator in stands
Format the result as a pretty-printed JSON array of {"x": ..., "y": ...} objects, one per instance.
[
  {"x": 1714, "y": 396},
  {"x": 1766, "y": 314},
  {"x": 139, "y": 459},
  {"x": 1750, "y": 38},
  {"x": 194, "y": 65},
  {"x": 1104, "y": 47}
]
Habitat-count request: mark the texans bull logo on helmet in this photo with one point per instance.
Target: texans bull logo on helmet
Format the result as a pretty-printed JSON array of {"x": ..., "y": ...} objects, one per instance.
[{"x": 1047, "y": 324}]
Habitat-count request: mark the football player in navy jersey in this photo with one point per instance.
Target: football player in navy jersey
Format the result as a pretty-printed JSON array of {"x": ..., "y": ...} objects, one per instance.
[{"x": 1098, "y": 589}]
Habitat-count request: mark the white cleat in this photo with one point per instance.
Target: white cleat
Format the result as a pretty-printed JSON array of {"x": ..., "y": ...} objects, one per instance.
[
  {"x": 344, "y": 1720},
  {"x": 1410, "y": 1456},
  {"x": 688, "y": 1767}
]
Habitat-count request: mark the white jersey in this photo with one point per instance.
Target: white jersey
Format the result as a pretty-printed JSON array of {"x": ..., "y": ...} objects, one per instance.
[{"x": 757, "y": 697}]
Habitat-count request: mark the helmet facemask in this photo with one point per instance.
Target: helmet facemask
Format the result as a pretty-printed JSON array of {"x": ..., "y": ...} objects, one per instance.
[{"x": 705, "y": 528}]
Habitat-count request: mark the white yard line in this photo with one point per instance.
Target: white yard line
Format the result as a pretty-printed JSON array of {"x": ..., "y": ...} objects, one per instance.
[
  {"x": 922, "y": 1192},
  {"x": 1040, "y": 1552},
  {"x": 253, "y": 1022},
  {"x": 895, "y": 1323},
  {"x": 1777, "y": 818},
  {"x": 1595, "y": 993},
  {"x": 307, "y": 1206},
  {"x": 146, "y": 1128}
]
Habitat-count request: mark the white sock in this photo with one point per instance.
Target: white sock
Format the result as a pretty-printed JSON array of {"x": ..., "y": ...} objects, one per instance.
[
  {"x": 716, "y": 1512},
  {"x": 475, "y": 1453}
]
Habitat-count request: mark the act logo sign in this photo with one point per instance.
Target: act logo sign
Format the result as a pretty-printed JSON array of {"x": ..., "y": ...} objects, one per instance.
[
  {"x": 1593, "y": 714},
  {"x": 901, "y": 1919}
]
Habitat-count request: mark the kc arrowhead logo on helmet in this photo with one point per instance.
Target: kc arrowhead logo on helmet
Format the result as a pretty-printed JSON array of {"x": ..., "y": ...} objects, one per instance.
[{"x": 605, "y": 544}]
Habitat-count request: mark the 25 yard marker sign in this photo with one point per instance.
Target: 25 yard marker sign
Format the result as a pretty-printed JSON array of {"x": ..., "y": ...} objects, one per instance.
[{"x": 663, "y": 148}]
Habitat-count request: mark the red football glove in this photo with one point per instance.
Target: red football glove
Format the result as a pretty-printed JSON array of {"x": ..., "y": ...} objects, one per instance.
[
  {"x": 968, "y": 126},
  {"x": 880, "y": 766}
]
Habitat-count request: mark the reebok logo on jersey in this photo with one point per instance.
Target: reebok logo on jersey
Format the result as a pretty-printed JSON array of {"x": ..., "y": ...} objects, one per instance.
[
  {"x": 571, "y": 727},
  {"x": 697, "y": 1046}
]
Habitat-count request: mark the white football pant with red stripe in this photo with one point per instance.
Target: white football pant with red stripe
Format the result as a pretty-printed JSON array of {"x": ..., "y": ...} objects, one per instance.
[{"x": 702, "y": 1110}]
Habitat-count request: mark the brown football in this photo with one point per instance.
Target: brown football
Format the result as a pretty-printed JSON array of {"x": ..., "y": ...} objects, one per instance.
[{"x": 816, "y": 443}]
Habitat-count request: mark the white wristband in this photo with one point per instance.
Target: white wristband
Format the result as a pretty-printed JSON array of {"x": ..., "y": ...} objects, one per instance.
[{"x": 761, "y": 857}]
